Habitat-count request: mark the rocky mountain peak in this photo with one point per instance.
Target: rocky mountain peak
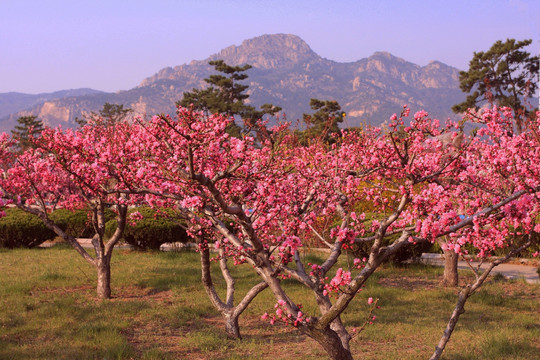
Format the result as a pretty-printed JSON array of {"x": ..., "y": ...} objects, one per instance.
[
  {"x": 383, "y": 63},
  {"x": 383, "y": 55},
  {"x": 266, "y": 52},
  {"x": 439, "y": 75},
  {"x": 386, "y": 57},
  {"x": 278, "y": 51}
]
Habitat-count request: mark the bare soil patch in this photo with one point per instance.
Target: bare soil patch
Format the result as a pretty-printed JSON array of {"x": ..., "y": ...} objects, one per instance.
[{"x": 409, "y": 283}]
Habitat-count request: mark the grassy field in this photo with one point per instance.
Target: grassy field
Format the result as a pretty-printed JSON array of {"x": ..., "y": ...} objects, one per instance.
[{"x": 48, "y": 310}]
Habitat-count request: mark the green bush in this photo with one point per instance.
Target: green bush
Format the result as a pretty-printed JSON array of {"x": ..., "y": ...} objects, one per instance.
[
  {"x": 21, "y": 229},
  {"x": 410, "y": 251},
  {"x": 77, "y": 222},
  {"x": 407, "y": 252},
  {"x": 151, "y": 231}
]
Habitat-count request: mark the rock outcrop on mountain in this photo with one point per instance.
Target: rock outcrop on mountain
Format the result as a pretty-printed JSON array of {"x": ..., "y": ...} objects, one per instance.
[{"x": 287, "y": 73}]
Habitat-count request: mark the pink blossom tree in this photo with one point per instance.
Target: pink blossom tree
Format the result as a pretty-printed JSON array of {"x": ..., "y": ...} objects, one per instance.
[
  {"x": 166, "y": 144},
  {"x": 259, "y": 201},
  {"x": 512, "y": 164},
  {"x": 75, "y": 169}
]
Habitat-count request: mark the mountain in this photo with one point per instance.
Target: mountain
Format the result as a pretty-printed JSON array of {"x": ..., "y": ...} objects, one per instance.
[
  {"x": 286, "y": 72},
  {"x": 13, "y": 102}
]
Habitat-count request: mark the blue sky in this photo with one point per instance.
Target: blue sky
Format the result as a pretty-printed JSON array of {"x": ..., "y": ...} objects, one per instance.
[{"x": 49, "y": 45}]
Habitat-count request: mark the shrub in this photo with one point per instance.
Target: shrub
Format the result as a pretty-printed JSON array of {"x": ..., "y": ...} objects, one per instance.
[
  {"x": 77, "y": 222},
  {"x": 150, "y": 232},
  {"x": 411, "y": 251},
  {"x": 21, "y": 229}
]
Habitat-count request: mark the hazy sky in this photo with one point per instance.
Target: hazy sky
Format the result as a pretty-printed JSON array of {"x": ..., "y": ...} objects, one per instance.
[{"x": 111, "y": 45}]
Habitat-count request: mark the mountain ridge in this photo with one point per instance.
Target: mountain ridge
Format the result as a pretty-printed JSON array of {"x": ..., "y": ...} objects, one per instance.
[
  {"x": 12, "y": 101},
  {"x": 285, "y": 72}
]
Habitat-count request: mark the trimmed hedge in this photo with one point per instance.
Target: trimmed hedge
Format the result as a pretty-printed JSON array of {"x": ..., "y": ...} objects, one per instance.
[
  {"x": 407, "y": 252},
  {"x": 410, "y": 251},
  {"x": 151, "y": 231},
  {"x": 21, "y": 229},
  {"x": 77, "y": 222}
]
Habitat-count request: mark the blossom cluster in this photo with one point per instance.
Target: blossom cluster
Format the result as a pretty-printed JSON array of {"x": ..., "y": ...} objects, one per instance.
[{"x": 281, "y": 315}]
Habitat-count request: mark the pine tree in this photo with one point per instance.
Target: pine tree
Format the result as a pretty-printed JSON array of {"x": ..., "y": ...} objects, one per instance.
[
  {"x": 109, "y": 115},
  {"x": 226, "y": 96},
  {"x": 324, "y": 122},
  {"x": 505, "y": 75},
  {"x": 28, "y": 127}
]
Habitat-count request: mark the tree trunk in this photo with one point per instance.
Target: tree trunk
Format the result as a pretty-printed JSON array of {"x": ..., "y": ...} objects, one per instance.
[
  {"x": 458, "y": 311},
  {"x": 331, "y": 343},
  {"x": 465, "y": 293},
  {"x": 336, "y": 325},
  {"x": 450, "y": 275},
  {"x": 231, "y": 325},
  {"x": 104, "y": 278}
]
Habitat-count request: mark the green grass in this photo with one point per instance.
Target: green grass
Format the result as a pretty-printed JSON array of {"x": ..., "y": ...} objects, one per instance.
[{"x": 159, "y": 310}]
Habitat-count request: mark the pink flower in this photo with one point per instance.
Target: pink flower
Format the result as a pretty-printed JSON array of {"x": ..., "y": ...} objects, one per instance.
[{"x": 370, "y": 301}]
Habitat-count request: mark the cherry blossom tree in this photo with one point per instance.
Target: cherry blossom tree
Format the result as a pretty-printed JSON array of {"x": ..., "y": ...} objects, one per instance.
[
  {"x": 75, "y": 169},
  {"x": 259, "y": 201},
  {"x": 167, "y": 143},
  {"x": 513, "y": 161}
]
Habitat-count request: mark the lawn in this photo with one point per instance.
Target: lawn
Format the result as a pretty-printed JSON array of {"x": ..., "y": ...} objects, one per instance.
[{"x": 159, "y": 310}]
